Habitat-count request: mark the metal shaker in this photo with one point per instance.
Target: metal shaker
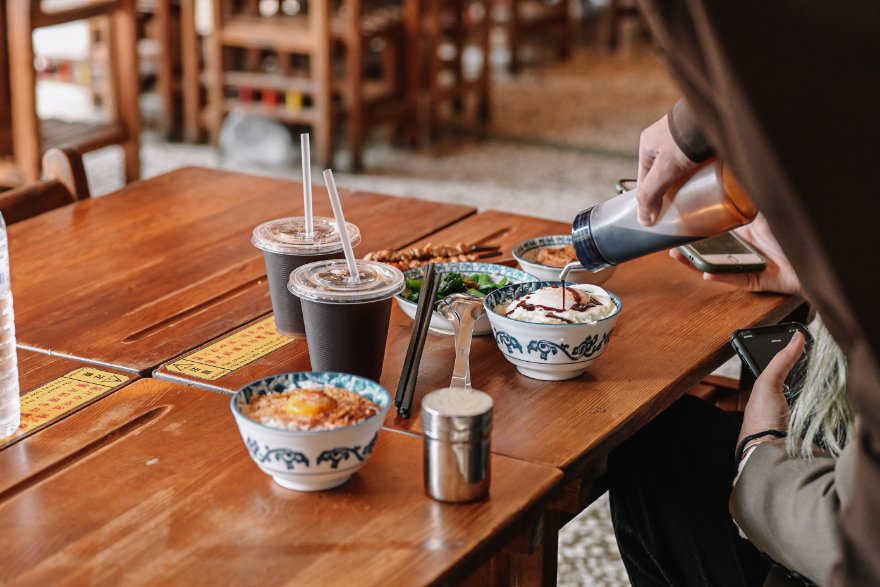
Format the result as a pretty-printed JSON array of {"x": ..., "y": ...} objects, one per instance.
[
  {"x": 707, "y": 203},
  {"x": 458, "y": 429}
]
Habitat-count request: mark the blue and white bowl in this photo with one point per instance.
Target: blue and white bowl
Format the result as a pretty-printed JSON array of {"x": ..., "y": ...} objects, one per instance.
[
  {"x": 551, "y": 352},
  {"x": 317, "y": 459},
  {"x": 439, "y": 323},
  {"x": 525, "y": 254}
]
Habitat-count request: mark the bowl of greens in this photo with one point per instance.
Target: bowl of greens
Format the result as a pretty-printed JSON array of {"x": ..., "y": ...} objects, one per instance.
[{"x": 474, "y": 278}]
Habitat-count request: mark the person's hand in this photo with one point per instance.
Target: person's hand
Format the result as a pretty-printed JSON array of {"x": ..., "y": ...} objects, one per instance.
[
  {"x": 661, "y": 164},
  {"x": 779, "y": 276},
  {"x": 767, "y": 408}
]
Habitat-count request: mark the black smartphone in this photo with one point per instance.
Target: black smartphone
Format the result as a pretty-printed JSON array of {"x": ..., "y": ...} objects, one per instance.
[
  {"x": 757, "y": 347},
  {"x": 723, "y": 253}
]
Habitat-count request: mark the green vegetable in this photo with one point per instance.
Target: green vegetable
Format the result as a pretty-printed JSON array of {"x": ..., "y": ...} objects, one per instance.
[{"x": 451, "y": 283}]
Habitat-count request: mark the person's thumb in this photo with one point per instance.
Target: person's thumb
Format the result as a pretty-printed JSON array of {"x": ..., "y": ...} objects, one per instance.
[{"x": 783, "y": 362}]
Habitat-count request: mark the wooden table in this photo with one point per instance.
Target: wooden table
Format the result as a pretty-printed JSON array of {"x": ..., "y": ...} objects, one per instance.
[
  {"x": 44, "y": 441},
  {"x": 138, "y": 277},
  {"x": 158, "y": 488},
  {"x": 673, "y": 331}
]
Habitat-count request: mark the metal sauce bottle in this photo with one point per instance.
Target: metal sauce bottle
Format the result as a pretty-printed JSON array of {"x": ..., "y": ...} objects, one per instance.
[{"x": 708, "y": 202}]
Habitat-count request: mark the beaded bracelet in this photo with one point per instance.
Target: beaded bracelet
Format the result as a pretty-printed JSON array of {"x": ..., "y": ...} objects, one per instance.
[{"x": 741, "y": 447}]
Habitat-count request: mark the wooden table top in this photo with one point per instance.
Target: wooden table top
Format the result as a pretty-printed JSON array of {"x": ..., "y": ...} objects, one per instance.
[
  {"x": 158, "y": 488},
  {"x": 673, "y": 331},
  {"x": 39, "y": 446},
  {"x": 138, "y": 277}
]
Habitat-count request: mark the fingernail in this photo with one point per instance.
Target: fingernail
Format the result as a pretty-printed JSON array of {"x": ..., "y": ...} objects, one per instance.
[{"x": 647, "y": 219}]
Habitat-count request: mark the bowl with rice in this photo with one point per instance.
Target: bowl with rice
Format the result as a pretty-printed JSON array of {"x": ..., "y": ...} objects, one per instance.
[{"x": 310, "y": 431}]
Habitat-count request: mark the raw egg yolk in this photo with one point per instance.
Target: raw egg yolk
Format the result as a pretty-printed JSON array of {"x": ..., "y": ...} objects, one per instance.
[{"x": 307, "y": 403}]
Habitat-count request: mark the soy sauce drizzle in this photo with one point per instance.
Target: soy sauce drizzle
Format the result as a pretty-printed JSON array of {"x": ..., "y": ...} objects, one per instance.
[{"x": 560, "y": 318}]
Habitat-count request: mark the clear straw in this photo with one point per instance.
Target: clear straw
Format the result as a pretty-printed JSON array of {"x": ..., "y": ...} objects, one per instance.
[
  {"x": 307, "y": 183},
  {"x": 340, "y": 222}
]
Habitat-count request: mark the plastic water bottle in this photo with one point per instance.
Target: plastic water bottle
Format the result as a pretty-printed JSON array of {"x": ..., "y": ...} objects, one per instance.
[{"x": 10, "y": 404}]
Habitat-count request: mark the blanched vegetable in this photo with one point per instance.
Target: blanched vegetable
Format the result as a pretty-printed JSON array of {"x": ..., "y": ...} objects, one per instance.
[{"x": 480, "y": 284}]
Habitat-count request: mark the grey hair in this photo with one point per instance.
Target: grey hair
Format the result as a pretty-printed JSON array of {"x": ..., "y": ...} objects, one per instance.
[{"x": 821, "y": 413}]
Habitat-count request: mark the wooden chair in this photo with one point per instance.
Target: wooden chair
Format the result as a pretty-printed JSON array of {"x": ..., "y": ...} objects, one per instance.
[
  {"x": 523, "y": 18},
  {"x": 616, "y": 14},
  {"x": 65, "y": 183},
  {"x": 318, "y": 74},
  {"x": 31, "y": 137},
  {"x": 441, "y": 31}
]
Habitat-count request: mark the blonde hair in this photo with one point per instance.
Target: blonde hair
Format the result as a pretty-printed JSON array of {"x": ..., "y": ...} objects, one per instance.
[{"x": 821, "y": 412}]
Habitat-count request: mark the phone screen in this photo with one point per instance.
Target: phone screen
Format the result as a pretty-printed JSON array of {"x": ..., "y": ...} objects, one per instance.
[
  {"x": 723, "y": 244},
  {"x": 763, "y": 344}
]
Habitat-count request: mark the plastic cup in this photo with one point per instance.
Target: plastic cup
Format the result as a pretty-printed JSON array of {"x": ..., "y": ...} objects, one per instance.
[
  {"x": 346, "y": 320},
  {"x": 286, "y": 247}
]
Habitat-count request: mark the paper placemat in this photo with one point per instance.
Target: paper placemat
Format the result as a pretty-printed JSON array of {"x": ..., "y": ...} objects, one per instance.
[{"x": 233, "y": 352}]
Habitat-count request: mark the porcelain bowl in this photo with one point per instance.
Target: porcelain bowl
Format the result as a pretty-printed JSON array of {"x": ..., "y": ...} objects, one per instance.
[
  {"x": 551, "y": 352},
  {"x": 525, "y": 252},
  {"x": 317, "y": 459},
  {"x": 439, "y": 323}
]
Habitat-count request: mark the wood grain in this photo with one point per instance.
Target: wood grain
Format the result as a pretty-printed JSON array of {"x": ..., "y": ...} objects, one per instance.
[
  {"x": 175, "y": 499},
  {"x": 29, "y": 456},
  {"x": 673, "y": 331},
  {"x": 140, "y": 276}
]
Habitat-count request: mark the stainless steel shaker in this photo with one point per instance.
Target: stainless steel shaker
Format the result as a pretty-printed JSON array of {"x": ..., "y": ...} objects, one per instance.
[
  {"x": 707, "y": 203},
  {"x": 458, "y": 430}
]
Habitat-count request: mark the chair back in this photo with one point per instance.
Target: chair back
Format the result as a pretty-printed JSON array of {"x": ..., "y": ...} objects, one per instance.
[{"x": 65, "y": 183}]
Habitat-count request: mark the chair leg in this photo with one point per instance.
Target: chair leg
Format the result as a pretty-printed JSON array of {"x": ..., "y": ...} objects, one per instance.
[
  {"x": 126, "y": 81},
  {"x": 514, "y": 38},
  {"x": 460, "y": 38},
  {"x": 563, "y": 50},
  {"x": 190, "y": 82},
  {"x": 169, "y": 118},
  {"x": 484, "y": 114},
  {"x": 26, "y": 141},
  {"x": 413, "y": 58},
  {"x": 355, "y": 71},
  {"x": 322, "y": 101},
  {"x": 214, "y": 58},
  {"x": 434, "y": 69}
]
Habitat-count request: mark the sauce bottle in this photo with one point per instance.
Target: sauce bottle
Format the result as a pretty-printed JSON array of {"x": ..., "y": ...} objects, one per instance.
[{"x": 708, "y": 202}]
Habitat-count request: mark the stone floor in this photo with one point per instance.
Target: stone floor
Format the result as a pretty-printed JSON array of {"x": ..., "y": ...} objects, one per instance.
[{"x": 561, "y": 135}]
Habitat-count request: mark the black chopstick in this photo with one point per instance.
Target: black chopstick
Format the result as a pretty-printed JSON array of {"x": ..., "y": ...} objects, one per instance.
[
  {"x": 425, "y": 306},
  {"x": 410, "y": 387}
]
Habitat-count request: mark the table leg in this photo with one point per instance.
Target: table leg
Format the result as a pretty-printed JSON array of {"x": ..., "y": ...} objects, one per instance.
[{"x": 538, "y": 564}]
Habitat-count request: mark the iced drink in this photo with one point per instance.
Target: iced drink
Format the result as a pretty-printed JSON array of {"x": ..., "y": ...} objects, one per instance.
[
  {"x": 346, "y": 320},
  {"x": 286, "y": 247}
]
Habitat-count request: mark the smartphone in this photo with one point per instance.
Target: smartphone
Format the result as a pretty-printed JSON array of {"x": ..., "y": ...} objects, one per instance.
[
  {"x": 757, "y": 347},
  {"x": 723, "y": 253}
]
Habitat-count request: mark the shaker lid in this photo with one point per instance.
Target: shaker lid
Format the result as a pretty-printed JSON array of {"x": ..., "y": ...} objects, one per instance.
[
  {"x": 288, "y": 236},
  {"x": 457, "y": 414},
  {"x": 329, "y": 282}
]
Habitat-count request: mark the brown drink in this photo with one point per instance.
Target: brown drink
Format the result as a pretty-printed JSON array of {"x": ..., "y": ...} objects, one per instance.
[
  {"x": 346, "y": 321},
  {"x": 286, "y": 247}
]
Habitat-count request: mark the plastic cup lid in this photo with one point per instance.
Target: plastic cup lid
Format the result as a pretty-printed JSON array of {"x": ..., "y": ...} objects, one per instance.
[
  {"x": 329, "y": 282},
  {"x": 288, "y": 236}
]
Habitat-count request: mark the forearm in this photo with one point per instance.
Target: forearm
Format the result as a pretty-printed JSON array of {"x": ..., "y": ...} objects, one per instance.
[{"x": 788, "y": 509}]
